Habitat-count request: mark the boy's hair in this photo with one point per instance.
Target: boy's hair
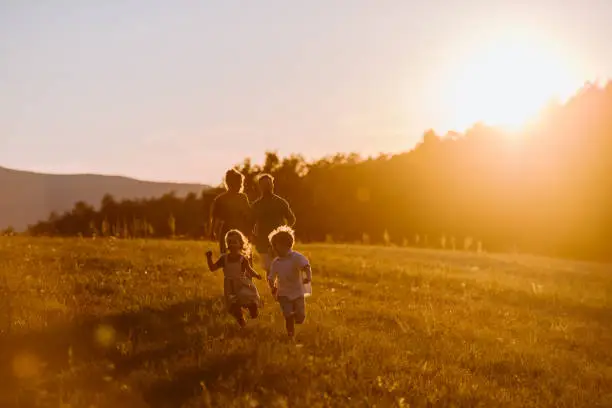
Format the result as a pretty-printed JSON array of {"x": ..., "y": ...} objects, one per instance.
[
  {"x": 283, "y": 234},
  {"x": 265, "y": 176},
  {"x": 246, "y": 245},
  {"x": 234, "y": 180}
]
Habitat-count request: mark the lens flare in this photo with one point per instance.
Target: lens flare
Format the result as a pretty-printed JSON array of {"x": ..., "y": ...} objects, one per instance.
[
  {"x": 105, "y": 335},
  {"x": 26, "y": 365}
]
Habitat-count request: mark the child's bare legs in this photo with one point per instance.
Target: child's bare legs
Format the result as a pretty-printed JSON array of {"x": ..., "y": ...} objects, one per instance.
[
  {"x": 236, "y": 311},
  {"x": 299, "y": 310},
  {"x": 253, "y": 310},
  {"x": 294, "y": 312},
  {"x": 290, "y": 325}
]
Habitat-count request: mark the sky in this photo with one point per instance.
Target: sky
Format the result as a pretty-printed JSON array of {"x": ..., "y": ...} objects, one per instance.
[{"x": 182, "y": 90}]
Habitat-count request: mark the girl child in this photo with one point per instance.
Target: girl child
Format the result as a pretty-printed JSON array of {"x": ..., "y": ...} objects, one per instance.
[
  {"x": 289, "y": 278},
  {"x": 238, "y": 287}
]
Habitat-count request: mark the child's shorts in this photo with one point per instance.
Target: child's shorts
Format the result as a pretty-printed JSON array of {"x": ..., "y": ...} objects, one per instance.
[{"x": 296, "y": 307}]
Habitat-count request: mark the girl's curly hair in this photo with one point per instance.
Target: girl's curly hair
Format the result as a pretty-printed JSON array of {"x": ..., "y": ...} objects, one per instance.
[{"x": 246, "y": 245}]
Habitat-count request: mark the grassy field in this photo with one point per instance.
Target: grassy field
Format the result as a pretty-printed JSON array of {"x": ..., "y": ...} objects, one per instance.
[{"x": 105, "y": 323}]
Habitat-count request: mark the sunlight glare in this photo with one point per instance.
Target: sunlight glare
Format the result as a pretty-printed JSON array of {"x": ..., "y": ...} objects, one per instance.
[
  {"x": 104, "y": 335},
  {"x": 507, "y": 82},
  {"x": 26, "y": 365}
]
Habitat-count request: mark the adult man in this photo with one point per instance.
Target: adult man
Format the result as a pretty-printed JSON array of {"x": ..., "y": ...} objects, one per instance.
[
  {"x": 269, "y": 212},
  {"x": 230, "y": 209}
]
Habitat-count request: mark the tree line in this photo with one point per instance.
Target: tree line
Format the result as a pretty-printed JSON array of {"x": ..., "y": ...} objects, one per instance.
[{"x": 547, "y": 189}]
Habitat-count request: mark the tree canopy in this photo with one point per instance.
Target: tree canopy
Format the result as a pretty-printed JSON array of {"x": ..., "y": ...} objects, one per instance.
[{"x": 547, "y": 189}]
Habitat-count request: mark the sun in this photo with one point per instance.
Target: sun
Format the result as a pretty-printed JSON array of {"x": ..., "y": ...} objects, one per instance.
[{"x": 506, "y": 82}]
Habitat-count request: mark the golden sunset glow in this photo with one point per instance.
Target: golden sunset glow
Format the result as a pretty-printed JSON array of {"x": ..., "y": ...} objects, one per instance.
[{"x": 507, "y": 81}]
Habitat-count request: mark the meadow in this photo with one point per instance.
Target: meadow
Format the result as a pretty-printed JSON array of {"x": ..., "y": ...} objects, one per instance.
[{"x": 135, "y": 323}]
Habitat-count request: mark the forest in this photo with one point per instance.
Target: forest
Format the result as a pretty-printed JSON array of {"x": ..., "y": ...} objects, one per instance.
[{"x": 545, "y": 190}]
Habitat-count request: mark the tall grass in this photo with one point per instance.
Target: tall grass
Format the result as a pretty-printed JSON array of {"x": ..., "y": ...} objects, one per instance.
[{"x": 111, "y": 323}]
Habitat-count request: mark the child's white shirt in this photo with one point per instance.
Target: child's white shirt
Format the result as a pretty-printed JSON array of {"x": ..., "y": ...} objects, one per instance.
[{"x": 291, "y": 271}]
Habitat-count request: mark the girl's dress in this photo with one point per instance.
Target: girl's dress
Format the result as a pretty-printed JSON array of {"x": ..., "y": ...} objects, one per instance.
[{"x": 239, "y": 290}]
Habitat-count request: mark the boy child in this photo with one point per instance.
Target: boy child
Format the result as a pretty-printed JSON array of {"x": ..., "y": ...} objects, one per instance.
[{"x": 289, "y": 277}]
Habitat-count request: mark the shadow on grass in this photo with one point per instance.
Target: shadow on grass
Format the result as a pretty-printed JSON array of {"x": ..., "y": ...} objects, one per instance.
[
  {"x": 127, "y": 340},
  {"x": 187, "y": 383}
]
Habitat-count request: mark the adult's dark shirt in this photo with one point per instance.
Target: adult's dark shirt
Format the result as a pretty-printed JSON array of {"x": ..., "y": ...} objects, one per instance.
[
  {"x": 233, "y": 210},
  {"x": 270, "y": 211}
]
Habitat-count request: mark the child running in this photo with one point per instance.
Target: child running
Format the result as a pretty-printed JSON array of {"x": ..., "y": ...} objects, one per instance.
[
  {"x": 238, "y": 287},
  {"x": 286, "y": 279}
]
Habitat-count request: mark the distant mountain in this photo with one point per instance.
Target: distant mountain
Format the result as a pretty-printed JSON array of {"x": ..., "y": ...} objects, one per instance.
[{"x": 28, "y": 197}]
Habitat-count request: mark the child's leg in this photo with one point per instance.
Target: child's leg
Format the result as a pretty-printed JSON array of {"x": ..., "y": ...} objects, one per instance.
[
  {"x": 287, "y": 308},
  {"x": 253, "y": 310},
  {"x": 290, "y": 325},
  {"x": 236, "y": 311},
  {"x": 299, "y": 307}
]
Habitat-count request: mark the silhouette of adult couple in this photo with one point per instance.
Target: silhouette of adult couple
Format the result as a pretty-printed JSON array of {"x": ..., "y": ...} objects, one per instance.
[{"x": 231, "y": 210}]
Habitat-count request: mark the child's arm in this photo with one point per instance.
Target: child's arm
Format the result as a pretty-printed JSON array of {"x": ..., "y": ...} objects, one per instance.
[
  {"x": 250, "y": 272},
  {"x": 304, "y": 266},
  {"x": 216, "y": 265},
  {"x": 272, "y": 276},
  {"x": 308, "y": 271}
]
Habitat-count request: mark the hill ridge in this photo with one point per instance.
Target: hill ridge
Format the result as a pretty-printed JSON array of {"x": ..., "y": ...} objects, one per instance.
[{"x": 29, "y": 196}]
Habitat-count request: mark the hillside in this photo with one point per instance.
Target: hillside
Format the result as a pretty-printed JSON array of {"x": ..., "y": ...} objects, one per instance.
[{"x": 28, "y": 197}]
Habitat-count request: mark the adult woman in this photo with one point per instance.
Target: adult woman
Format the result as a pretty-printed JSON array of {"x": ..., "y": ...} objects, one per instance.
[{"x": 230, "y": 209}]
